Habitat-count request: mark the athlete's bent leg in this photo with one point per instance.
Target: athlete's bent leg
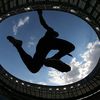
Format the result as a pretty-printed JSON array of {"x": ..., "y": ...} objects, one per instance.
[
  {"x": 27, "y": 59},
  {"x": 64, "y": 48}
]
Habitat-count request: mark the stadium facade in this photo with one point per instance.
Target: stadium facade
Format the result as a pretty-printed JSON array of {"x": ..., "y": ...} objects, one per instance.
[{"x": 88, "y": 88}]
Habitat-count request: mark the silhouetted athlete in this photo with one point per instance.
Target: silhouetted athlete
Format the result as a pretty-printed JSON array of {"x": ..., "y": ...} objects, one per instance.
[{"x": 48, "y": 42}]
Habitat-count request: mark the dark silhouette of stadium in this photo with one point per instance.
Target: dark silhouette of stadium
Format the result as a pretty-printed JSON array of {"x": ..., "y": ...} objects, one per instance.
[
  {"x": 13, "y": 88},
  {"x": 48, "y": 42}
]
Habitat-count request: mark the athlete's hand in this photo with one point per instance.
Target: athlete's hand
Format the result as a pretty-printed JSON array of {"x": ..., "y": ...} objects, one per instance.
[{"x": 39, "y": 12}]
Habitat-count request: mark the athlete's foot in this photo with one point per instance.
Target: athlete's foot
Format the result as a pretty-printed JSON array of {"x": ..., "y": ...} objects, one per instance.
[
  {"x": 14, "y": 41},
  {"x": 57, "y": 64}
]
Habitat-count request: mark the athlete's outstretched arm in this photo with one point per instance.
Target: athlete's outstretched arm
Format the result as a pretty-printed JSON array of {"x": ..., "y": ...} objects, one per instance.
[{"x": 42, "y": 21}]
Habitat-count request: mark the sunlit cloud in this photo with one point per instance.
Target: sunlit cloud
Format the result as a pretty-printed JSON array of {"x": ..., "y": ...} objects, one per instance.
[
  {"x": 20, "y": 23},
  {"x": 31, "y": 81},
  {"x": 79, "y": 69},
  {"x": 56, "y": 77},
  {"x": 42, "y": 83}
]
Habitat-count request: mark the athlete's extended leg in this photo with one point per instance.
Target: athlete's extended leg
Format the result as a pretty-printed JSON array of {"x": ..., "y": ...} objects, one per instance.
[{"x": 27, "y": 59}]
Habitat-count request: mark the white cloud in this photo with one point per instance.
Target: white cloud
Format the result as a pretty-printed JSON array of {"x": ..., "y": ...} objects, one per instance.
[
  {"x": 42, "y": 83},
  {"x": 31, "y": 81},
  {"x": 31, "y": 42},
  {"x": 23, "y": 21},
  {"x": 20, "y": 23},
  {"x": 79, "y": 69},
  {"x": 56, "y": 77}
]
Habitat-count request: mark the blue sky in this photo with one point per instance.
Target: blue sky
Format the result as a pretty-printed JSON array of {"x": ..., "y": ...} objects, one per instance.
[{"x": 27, "y": 28}]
